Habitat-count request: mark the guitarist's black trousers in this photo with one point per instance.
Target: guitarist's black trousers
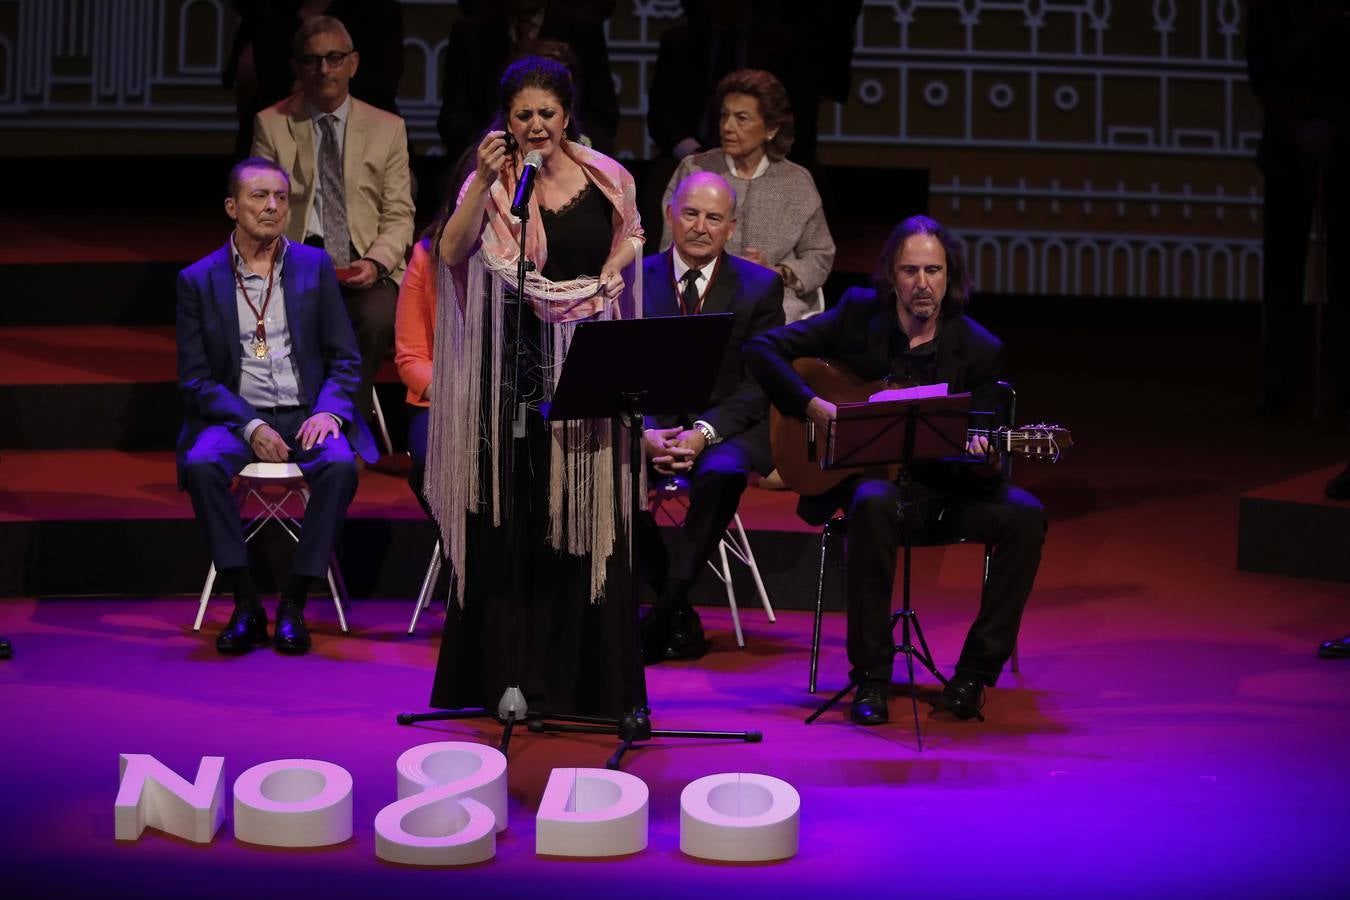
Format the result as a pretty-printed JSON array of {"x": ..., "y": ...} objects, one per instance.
[{"x": 993, "y": 513}]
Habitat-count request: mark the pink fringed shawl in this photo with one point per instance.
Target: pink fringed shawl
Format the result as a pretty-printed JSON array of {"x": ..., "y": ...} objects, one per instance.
[{"x": 471, "y": 338}]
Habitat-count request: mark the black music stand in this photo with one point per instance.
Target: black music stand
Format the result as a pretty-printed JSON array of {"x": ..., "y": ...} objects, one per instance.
[
  {"x": 899, "y": 432},
  {"x": 627, "y": 369}
]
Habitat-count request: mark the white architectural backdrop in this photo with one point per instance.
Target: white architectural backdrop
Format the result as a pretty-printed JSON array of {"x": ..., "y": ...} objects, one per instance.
[{"x": 1079, "y": 146}]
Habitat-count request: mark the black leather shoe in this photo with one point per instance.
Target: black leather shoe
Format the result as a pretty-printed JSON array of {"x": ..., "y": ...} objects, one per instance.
[
  {"x": 869, "y": 703},
  {"x": 291, "y": 634},
  {"x": 1335, "y": 649},
  {"x": 244, "y": 631},
  {"x": 6, "y": 648},
  {"x": 687, "y": 640},
  {"x": 963, "y": 697}
]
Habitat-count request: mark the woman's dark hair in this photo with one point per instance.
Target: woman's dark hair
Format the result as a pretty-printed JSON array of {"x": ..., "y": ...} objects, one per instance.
[
  {"x": 959, "y": 283},
  {"x": 535, "y": 72},
  {"x": 774, "y": 106}
]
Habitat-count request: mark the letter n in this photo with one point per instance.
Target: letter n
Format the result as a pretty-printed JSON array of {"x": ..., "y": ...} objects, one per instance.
[{"x": 150, "y": 793}]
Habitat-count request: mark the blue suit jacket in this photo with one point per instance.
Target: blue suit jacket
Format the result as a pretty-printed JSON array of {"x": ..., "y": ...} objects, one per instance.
[
  {"x": 322, "y": 344},
  {"x": 738, "y": 410}
]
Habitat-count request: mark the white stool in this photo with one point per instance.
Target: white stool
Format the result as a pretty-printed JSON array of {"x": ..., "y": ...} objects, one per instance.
[
  {"x": 428, "y": 586},
  {"x": 251, "y": 482},
  {"x": 733, "y": 542}
]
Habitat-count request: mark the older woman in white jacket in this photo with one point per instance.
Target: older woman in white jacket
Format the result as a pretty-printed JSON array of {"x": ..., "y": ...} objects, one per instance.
[{"x": 779, "y": 220}]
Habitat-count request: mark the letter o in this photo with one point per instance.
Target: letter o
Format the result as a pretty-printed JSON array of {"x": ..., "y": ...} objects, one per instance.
[
  {"x": 293, "y": 803},
  {"x": 739, "y": 817}
]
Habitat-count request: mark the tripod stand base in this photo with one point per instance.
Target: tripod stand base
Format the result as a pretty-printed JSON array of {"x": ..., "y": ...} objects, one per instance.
[
  {"x": 508, "y": 722},
  {"x": 911, "y": 653},
  {"x": 631, "y": 728}
]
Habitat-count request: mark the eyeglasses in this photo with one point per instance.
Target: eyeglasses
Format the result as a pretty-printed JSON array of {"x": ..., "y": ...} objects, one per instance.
[{"x": 334, "y": 59}]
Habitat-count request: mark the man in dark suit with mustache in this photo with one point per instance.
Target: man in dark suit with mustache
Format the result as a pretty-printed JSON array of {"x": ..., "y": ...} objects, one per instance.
[
  {"x": 268, "y": 367},
  {"x": 715, "y": 448}
]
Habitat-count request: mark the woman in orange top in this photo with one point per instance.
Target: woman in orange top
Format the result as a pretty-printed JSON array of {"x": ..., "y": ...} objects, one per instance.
[{"x": 414, "y": 327}]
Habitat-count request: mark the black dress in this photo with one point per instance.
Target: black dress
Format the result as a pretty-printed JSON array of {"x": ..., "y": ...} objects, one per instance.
[{"x": 527, "y": 617}]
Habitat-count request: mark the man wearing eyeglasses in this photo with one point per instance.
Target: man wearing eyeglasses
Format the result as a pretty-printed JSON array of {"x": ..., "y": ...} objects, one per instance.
[{"x": 350, "y": 184}]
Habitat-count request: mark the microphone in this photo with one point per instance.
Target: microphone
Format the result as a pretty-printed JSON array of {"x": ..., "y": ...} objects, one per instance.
[{"x": 525, "y": 187}]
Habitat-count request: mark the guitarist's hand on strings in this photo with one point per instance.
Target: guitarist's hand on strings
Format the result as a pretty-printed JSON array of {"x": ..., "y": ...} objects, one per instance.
[
  {"x": 663, "y": 451},
  {"x": 822, "y": 412}
]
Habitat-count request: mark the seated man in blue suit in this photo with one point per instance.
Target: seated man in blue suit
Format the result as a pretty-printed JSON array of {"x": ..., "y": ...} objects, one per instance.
[
  {"x": 268, "y": 366},
  {"x": 714, "y": 448}
]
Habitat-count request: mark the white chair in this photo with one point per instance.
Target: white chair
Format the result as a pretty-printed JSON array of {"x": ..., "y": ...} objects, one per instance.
[
  {"x": 734, "y": 542},
  {"x": 287, "y": 479}
]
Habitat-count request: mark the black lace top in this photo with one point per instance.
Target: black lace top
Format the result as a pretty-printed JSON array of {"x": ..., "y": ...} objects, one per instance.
[{"x": 578, "y": 235}]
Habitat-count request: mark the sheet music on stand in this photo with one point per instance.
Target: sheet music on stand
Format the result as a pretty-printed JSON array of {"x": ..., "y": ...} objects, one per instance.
[{"x": 892, "y": 431}]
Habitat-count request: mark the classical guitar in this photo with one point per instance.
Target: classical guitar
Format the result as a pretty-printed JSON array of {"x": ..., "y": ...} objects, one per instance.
[{"x": 801, "y": 469}]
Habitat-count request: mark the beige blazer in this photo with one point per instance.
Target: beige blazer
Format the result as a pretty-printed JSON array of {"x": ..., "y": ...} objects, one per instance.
[{"x": 374, "y": 169}]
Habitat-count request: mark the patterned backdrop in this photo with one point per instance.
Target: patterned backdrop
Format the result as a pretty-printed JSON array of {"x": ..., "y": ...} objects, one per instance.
[{"x": 1078, "y": 146}]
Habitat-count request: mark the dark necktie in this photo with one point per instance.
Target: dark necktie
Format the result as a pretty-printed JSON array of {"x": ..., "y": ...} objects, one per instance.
[
  {"x": 689, "y": 295},
  {"x": 337, "y": 239}
]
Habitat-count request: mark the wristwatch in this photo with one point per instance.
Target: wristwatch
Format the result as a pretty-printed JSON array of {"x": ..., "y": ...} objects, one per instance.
[{"x": 708, "y": 435}]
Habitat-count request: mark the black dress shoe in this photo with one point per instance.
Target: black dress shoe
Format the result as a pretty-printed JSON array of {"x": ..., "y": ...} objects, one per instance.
[
  {"x": 291, "y": 634},
  {"x": 1335, "y": 649},
  {"x": 245, "y": 630},
  {"x": 963, "y": 697},
  {"x": 869, "y": 703},
  {"x": 6, "y": 648},
  {"x": 686, "y": 640}
]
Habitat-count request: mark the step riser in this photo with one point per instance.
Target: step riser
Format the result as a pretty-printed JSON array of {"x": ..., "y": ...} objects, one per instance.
[
  {"x": 128, "y": 417},
  {"x": 380, "y": 558},
  {"x": 1301, "y": 540},
  {"x": 133, "y": 293},
  {"x": 131, "y": 417}
]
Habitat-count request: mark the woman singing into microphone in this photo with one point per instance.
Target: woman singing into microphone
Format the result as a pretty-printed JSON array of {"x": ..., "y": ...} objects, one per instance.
[{"x": 535, "y": 528}]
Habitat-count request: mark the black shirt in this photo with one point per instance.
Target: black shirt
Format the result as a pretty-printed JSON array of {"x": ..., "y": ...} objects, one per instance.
[{"x": 912, "y": 366}]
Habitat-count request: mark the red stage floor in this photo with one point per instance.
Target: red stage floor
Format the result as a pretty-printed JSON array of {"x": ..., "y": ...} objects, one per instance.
[{"x": 1171, "y": 735}]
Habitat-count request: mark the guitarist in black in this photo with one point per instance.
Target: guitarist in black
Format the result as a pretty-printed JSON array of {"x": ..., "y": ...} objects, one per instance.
[{"x": 910, "y": 328}]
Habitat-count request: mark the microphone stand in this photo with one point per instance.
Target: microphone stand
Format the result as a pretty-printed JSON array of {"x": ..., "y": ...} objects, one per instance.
[
  {"x": 512, "y": 706},
  {"x": 523, "y": 266}
]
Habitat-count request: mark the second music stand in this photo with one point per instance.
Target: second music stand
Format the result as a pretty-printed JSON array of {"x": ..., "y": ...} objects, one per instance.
[
  {"x": 890, "y": 433},
  {"x": 629, "y": 369}
]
